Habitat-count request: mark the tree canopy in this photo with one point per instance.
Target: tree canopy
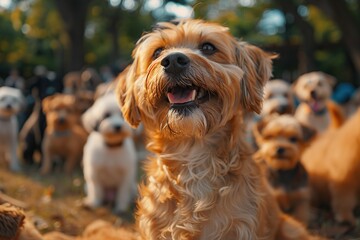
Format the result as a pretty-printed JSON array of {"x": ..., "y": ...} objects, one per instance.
[{"x": 68, "y": 35}]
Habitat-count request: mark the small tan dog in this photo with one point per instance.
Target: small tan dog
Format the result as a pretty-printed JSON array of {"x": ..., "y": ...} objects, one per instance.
[
  {"x": 333, "y": 164},
  {"x": 281, "y": 140},
  {"x": 63, "y": 136},
  {"x": 190, "y": 84},
  {"x": 314, "y": 90},
  {"x": 278, "y": 98}
]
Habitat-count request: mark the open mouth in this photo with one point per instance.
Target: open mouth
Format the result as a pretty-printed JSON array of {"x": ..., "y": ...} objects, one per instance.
[{"x": 179, "y": 96}]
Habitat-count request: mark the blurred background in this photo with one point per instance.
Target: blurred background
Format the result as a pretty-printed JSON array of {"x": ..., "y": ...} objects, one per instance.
[{"x": 67, "y": 35}]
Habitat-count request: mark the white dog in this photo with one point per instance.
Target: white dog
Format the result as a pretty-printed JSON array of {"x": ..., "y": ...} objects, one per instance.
[
  {"x": 110, "y": 162},
  {"x": 11, "y": 101}
]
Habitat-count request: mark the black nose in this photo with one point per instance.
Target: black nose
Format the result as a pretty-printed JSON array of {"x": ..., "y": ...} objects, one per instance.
[
  {"x": 117, "y": 128},
  {"x": 313, "y": 94},
  {"x": 283, "y": 108},
  {"x": 280, "y": 151},
  {"x": 175, "y": 63},
  {"x": 8, "y": 106},
  {"x": 61, "y": 120}
]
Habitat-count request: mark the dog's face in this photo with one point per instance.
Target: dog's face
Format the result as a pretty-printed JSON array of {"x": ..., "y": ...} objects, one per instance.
[
  {"x": 314, "y": 88},
  {"x": 191, "y": 77},
  {"x": 11, "y": 101},
  {"x": 60, "y": 111},
  {"x": 281, "y": 140},
  {"x": 105, "y": 117},
  {"x": 277, "y": 98}
]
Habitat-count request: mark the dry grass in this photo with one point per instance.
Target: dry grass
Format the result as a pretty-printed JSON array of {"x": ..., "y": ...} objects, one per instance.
[{"x": 54, "y": 203}]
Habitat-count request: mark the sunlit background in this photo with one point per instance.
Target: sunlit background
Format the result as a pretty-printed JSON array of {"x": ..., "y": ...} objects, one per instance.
[{"x": 69, "y": 35}]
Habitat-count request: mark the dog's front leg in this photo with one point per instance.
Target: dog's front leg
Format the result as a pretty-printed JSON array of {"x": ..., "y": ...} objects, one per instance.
[
  {"x": 70, "y": 163},
  {"x": 12, "y": 158},
  {"x": 47, "y": 158},
  {"x": 95, "y": 194},
  {"x": 124, "y": 192}
]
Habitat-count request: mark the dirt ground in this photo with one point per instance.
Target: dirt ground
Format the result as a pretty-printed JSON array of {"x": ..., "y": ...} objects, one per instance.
[{"x": 54, "y": 203}]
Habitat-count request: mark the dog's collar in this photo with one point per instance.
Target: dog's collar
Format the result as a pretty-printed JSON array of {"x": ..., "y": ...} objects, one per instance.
[
  {"x": 65, "y": 133},
  {"x": 5, "y": 119},
  {"x": 114, "y": 145},
  {"x": 319, "y": 112}
]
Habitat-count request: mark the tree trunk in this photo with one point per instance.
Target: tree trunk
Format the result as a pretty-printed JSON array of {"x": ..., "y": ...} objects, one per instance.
[
  {"x": 338, "y": 11},
  {"x": 306, "y": 55},
  {"x": 73, "y": 14}
]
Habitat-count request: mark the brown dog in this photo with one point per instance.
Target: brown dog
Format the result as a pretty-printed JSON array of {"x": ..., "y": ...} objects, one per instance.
[
  {"x": 314, "y": 90},
  {"x": 333, "y": 163},
  {"x": 190, "y": 84},
  {"x": 281, "y": 141},
  {"x": 63, "y": 136}
]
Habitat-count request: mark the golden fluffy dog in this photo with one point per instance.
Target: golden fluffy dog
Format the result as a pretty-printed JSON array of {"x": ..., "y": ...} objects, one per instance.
[
  {"x": 63, "y": 136},
  {"x": 190, "y": 83},
  {"x": 333, "y": 164},
  {"x": 314, "y": 90},
  {"x": 281, "y": 141}
]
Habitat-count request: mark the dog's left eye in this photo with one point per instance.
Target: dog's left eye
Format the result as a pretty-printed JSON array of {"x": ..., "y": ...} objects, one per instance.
[
  {"x": 157, "y": 53},
  {"x": 293, "y": 139},
  {"x": 208, "y": 49},
  {"x": 106, "y": 115}
]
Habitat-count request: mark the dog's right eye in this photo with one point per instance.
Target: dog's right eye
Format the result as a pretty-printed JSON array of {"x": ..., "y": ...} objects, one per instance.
[
  {"x": 106, "y": 115},
  {"x": 208, "y": 49},
  {"x": 157, "y": 53}
]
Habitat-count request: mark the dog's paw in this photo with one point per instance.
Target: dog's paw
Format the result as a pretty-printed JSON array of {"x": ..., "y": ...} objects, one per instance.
[{"x": 88, "y": 204}]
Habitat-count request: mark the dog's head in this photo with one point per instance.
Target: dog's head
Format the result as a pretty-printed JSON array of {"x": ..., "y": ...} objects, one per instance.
[
  {"x": 189, "y": 78},
  {"x": 314, "y": 88},
  {"x": 278, "y": 98},
  {"x": 281, "y": 140},
  {"x": 11, "y": 101},
  {"x": 105, "y": 117},
  {"x": 60, "y": 111}
]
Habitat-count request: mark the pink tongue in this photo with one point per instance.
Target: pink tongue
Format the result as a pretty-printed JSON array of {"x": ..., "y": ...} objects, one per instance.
[
  {"x": 315, "y": 106},
  {"x": 181, "y": 96}
]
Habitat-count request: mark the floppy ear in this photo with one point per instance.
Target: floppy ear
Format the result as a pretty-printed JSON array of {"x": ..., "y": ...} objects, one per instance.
[
  {"x": 257, "y": 67},
  {"x": 257, "y": 130},
  {"x": 88, "y": 120},
  {"x": 330, "y": 79},
  {"x": 46, "y": 103},
  {"x": 126, "y": 96}
]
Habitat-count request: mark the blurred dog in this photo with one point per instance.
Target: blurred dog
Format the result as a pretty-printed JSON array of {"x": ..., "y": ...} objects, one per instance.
[
  {"x": 11, "y": 102},
  {"x": 63, "y": 136},
  {"x": 190, "y": 84},
  {"x": 333, "y": 164},
  {"x": 281, "y": 141},
  {"x": 316, "y": 109},
  {"x": 15, "y": 225},
  {"x": 278, "y": 98},
  {"x": 110, "y": 162}
]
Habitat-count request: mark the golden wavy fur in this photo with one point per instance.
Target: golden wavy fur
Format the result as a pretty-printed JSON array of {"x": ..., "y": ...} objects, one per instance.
[{"x": 190, "y": 84}]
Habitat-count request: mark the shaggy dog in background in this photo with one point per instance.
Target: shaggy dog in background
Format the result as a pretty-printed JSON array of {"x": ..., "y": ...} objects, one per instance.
[
  {"x": 11, "y": 101},
  {"x": 110, "y": 163},
  {"x": 278, "y": 98},
  {"x": 190, "y": 84},
  {"x": 281, "y": 140},
  {"x": 314, "y": 90},
  {"x": 63, "y": 138}
]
